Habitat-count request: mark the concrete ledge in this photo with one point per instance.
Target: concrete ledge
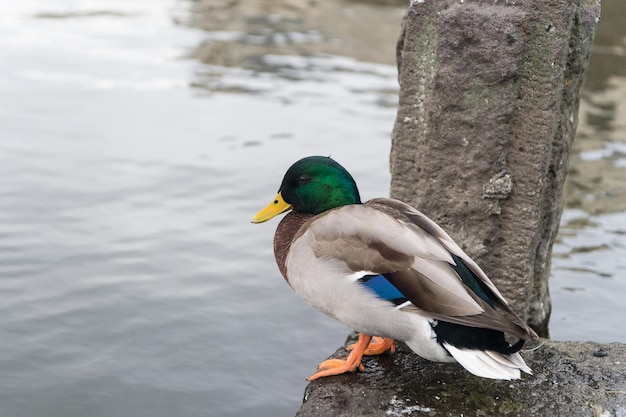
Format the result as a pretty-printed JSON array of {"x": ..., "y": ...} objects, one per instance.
[{"x": 570, "y": 379}]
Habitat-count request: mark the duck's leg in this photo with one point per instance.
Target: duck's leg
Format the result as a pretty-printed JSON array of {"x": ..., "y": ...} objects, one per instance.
[
  {"x": 377, "y": 346},
  {"x": 341, "y": 366}
]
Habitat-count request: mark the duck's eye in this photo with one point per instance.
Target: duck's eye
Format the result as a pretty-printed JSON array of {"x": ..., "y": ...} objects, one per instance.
[{"x": 303, "y": 179}]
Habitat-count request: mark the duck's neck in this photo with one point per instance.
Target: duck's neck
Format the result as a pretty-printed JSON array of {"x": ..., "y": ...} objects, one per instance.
[{"x": 285, "y": 232}]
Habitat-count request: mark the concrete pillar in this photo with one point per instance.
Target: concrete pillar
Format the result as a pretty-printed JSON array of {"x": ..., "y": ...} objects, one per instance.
[{"x": 489, "y": 94}]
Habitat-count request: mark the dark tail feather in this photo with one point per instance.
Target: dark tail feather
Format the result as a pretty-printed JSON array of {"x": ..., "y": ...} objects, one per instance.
[{"x": 512, "y": 348}]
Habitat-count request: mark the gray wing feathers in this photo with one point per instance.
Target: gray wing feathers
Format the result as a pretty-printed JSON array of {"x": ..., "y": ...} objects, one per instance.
[
  {"x": 432, "y": 228},
  {"x": 369, "y": 238},
  {"x": 386, "y": 236}
]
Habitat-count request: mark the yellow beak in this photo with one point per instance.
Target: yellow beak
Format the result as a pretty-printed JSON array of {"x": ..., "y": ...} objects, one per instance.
[{"x": 273, "y": 209}]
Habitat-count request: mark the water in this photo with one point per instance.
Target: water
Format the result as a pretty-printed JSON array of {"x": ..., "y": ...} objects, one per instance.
[
  {"x": 588, "y": 265},
  {"x": 137, "y": 140}
]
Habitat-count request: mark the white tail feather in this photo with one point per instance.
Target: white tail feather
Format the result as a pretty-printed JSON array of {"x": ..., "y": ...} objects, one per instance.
[
  {"x": 489, "y": 364},
  {"x": 513, "y": 360}
]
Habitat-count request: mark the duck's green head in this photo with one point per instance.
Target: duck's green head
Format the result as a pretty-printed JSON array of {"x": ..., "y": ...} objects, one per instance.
[{"x": 312, "y": 185}]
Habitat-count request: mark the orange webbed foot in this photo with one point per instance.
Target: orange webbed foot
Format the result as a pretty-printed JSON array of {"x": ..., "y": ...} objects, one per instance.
[
  {"x": 377, "y": 346},
  {"x": 341, "y": 366}
]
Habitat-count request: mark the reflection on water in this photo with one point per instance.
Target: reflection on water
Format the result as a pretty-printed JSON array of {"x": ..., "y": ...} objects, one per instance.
[
  {"x": 589, "y": 263},
  {"x": 597, "y": 178},
  {"x": 588, "y": 257},
  {"x": 240, "y": 32},
  {"x": 141, "y": 137}
]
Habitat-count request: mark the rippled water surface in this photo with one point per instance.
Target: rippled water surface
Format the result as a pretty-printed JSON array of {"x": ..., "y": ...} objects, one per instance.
[{"x": 136, "y": 141}]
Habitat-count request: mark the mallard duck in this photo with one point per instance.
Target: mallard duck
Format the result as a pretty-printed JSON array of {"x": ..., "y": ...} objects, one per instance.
[{"x": 389, "y": 273}]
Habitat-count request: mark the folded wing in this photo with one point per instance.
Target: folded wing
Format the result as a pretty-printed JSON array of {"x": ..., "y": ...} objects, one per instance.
[{"x": 418, "y": 261}]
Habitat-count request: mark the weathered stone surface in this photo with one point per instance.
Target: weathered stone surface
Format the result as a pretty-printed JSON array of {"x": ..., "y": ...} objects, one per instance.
[
  {"x": 487, "y": 113},
  {"x": 570, "y": 379}
]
